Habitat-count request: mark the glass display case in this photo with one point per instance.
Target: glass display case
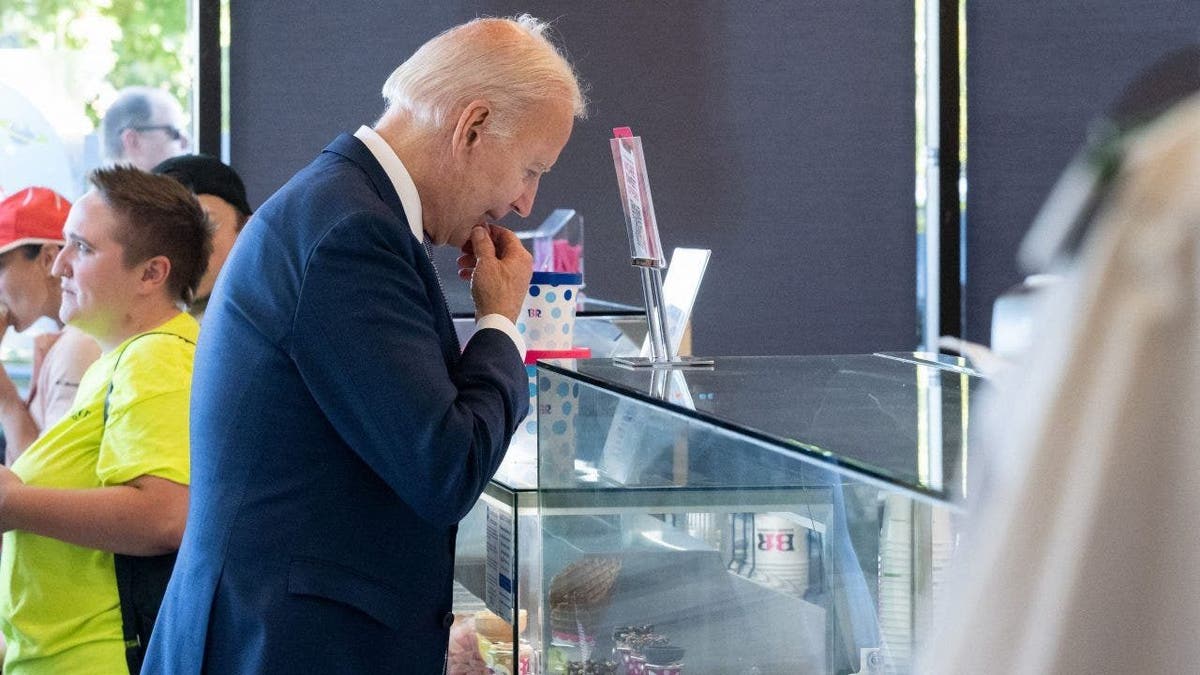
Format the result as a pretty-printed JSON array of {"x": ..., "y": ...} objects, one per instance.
[{"x": 768, "y": 515}]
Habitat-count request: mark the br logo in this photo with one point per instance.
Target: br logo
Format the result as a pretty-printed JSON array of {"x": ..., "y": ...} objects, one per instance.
[
  {"x": 783, "y": 541},
  {"x": 534, "y": 312},
  {"x": 80, "y": 414}
]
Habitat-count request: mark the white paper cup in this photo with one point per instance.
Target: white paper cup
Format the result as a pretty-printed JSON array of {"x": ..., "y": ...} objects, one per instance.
[
  {"x": 547, "y": 319},
  {"x": 555, "y": 408},
  {"x": 781, "y": 549}
]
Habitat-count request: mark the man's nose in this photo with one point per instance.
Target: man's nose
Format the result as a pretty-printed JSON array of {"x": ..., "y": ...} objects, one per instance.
[
  {"x": 59, "y": 268},
  {"x": 524, "y": 202}
]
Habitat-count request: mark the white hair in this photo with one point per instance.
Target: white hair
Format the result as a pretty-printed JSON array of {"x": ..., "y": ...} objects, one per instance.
[{"x": 511, "y": 63}]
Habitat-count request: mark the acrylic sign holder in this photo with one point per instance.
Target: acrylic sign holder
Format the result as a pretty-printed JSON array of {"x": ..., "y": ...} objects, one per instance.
[{"x": 646, "y": 253}]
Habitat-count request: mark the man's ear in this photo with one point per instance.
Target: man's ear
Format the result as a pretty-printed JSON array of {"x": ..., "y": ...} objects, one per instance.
[
  {"x": 472, "y": 123},
  {"x": 46, "y": 257},
  {"x": 155, "y": 272},
  {"x": 130, "y": 140}
]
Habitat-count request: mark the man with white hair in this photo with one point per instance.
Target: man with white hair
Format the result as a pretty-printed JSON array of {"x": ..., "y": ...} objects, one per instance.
[
  {"x": 339, "y": 433},
  {"x": 143, "y": 127}
]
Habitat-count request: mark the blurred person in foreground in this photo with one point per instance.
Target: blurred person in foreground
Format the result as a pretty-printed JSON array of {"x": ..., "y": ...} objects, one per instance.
[
  {"x": 1080, "y": 555},
  {"x": 143, "y": 127},
  {"x": 94, "y": 508},
  {"x": 31, "y": 235},
  {"x": 223, "y": 195},
  {"x": 339, "y": 433}
]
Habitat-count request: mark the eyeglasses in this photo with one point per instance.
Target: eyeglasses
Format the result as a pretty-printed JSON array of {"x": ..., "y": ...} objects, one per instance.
[{"x": 169, "y": 130}]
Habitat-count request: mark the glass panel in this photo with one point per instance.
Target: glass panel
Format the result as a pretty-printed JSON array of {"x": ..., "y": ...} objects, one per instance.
[
  {"x": 899, "y": 421},
  {"x": 773, "y": 515},
  {"x": 62, "y": 65}
]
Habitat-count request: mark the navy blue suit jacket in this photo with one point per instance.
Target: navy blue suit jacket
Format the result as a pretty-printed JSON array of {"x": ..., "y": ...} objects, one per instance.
[{"x": 338, "y": 436}]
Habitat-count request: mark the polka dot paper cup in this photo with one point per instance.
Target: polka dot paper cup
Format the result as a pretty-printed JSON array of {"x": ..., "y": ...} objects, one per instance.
[
  {"x": 555, "y": 406},
  {"x": 547, "y": 319}
]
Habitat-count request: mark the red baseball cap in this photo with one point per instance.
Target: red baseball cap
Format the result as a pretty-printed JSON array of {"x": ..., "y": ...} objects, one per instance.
[{"x": 32, "y": 216}]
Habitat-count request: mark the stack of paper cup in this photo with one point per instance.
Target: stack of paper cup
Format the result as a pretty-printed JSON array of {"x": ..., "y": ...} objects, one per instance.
[
  {"x": 547, "y": 319},
  {"x": 547, "y": 324},
  {"x": 555, "y": 406}
]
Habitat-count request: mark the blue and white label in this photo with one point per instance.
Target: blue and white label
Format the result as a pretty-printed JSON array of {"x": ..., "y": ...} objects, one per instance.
[{"x": 500, "y": 566}]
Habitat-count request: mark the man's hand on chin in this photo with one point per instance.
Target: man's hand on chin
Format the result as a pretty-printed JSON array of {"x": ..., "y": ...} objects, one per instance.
[{"x": 500, "y": 273}]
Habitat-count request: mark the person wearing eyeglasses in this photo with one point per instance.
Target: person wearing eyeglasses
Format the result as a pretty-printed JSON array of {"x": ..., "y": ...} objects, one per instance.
[{"x": 143, "y": 127}]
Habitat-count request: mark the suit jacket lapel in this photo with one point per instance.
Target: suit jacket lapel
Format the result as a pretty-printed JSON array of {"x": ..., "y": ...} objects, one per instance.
[{"x": 356, "y": 152}]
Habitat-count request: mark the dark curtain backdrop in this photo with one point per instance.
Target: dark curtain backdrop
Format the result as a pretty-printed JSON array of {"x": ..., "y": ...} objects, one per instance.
[
  {"x": 778, "y": 134},
  {"x": 1037, "y": 73}
]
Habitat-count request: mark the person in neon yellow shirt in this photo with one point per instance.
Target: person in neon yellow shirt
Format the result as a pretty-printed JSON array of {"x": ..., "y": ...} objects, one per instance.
[{"x": 105, "y": 490}]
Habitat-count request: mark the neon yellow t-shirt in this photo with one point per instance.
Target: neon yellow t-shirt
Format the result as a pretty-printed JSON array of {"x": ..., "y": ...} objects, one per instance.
[{"x": 59, "y": 609}]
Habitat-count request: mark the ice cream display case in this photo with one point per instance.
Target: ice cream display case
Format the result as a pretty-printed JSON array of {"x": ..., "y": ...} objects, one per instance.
[{"x": 768, "y": 515}]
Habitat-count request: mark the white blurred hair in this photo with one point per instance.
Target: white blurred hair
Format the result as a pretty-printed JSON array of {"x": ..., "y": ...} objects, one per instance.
[{"x": 509, "y": 62}]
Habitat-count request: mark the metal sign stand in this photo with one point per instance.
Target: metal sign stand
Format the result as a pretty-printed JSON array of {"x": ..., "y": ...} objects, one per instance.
[{"x": 646, "y": 253}]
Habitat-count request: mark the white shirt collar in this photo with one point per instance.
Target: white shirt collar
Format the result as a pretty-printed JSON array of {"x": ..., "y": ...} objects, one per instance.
[{"x": 401, "y": 180}]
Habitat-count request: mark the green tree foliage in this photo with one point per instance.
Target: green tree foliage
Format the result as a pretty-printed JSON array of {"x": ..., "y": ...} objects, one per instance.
[{"x": 148, "y": 38}]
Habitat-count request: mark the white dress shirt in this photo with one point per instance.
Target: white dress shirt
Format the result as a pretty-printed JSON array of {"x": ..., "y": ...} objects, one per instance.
[{"x": 411, "y": 202}]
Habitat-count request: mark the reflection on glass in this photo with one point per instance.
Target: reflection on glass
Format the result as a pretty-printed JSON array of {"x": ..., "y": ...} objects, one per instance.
[
  {"x": 61, "y": 65},
  {"x": 787, "y": 521}
]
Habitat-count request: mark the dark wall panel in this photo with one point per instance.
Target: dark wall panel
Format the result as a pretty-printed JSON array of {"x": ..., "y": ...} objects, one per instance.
[
  {"x": 779, "y": 134},
  {"x": 1037, "y": 74}
]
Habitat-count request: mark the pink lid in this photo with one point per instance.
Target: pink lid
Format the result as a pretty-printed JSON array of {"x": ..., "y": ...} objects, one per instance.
[
  {"x": 532, "y": 356},
  {"x": 622, "y": 132}
]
